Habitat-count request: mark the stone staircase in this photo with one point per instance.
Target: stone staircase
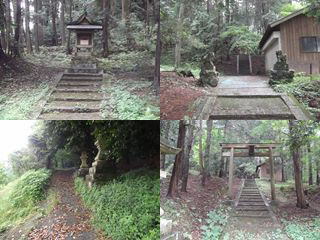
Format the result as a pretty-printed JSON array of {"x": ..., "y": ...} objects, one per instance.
[
  {"x": 77, "y": 96},
  {"x": 251, "y": 203}
]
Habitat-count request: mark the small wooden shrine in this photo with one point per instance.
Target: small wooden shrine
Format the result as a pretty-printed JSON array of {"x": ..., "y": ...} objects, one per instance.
[{"x": 84, "y": 29}]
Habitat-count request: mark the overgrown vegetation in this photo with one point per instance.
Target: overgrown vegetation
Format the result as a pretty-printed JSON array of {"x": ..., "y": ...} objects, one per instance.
[
  {"x": 19, "y": 198},
  {"x": 22, "y": 105},
  {"x": 216, "y": 221},
  {"x": 304, "y": 88},
  {"x": 127, "y": 207},
  {"x": 303, "y": 230}
]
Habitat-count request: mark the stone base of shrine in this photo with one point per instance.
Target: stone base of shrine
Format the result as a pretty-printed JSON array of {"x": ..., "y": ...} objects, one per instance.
[{"x": 82, "y": 172}]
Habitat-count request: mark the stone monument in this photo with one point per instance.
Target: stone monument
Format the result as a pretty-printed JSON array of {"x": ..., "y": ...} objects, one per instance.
[
  {"x": 84, "y": 168},
  {"x": 281, "y": 72},
  {"x": 208, "y": 75}
]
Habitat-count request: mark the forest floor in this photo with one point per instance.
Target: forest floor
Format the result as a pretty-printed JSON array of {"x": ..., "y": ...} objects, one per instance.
[
  {"x": 69, "y": 219},
  {"x": 190, "y": 209},
  {"x": 127, "y": 90},
  {"x": 236, "y": 97}
]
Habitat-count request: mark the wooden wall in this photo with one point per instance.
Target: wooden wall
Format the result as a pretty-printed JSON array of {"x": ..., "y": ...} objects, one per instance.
[{"x": 291, "y": 31}]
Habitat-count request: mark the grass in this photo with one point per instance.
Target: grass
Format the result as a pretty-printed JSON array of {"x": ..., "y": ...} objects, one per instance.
[
  {"x": 23, "y": 104},
  {"x": 303, "y": 229},
  {"x": 19, "y": 198},
  {"x": 126, "y": 207}
]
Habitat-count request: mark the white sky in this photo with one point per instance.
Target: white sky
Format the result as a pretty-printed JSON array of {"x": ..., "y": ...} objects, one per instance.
[{"x": 13, "y": 136}]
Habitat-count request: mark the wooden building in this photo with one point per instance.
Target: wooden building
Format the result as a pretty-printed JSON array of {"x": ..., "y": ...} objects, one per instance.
[
  {"x": 84, "y": 29},
  {"x": 298, "y": 36},
  {"x": 263, "y": 172}
]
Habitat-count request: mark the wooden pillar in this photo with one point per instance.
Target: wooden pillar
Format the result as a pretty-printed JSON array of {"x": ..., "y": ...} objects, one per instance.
[
  {"x": 273, "y": 191},
  {"x": 230, "y": 173}
]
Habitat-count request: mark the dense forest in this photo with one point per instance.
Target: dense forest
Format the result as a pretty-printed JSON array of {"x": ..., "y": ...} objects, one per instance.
[
  {"x": 76, "y": 178},
  {"x": 194, "y": 182},
  {"x": 35, "y": 41},
  {"x": 204, "y": 40}
]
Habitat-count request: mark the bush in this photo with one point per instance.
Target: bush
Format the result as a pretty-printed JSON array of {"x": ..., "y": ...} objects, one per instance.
[
  {"x": 127, "y": 207},
  {"x": 19, "y": 198}
]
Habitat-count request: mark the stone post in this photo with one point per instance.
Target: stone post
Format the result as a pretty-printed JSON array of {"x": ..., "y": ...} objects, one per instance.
[{"x": 84, "y": 168}]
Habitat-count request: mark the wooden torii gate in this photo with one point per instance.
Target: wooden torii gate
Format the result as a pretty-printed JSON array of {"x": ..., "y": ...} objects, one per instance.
[{"x": 233, "y": 150}]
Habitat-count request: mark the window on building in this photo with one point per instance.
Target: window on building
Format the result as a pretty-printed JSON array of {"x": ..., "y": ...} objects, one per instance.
[{"x": 310, "y": 44}]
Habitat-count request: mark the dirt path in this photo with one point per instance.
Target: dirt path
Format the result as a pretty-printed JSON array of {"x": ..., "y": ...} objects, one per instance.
[{"x": 69, "y": 218}]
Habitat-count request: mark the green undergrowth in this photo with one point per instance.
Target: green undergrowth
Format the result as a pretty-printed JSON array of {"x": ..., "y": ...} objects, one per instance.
[
  {"x": 19, "y": 198},
  {"x": 185, "y": 67},
  {"x": 128, "y": 106},
  {"x": 215, "y": 223},
  {"x": 126, "y": 207},
  {"x": 22, "y": 105},
  {"x": 303, "y": 230},
  {"x": 50, "y": 57},
  {"x": 304, "y": 88},
  {"x": 125, "y": 61}
]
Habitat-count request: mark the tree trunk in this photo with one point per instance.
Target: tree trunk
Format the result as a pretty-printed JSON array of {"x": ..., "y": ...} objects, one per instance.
[
  {"x": 36, "y": 25},
  {"x": 112, "y": 7},
  {"x": 27, "y": 24},
  {"x": 16, "y": 46},
  {"x": 105, "y": 33},
  {"x": 69, "y": 51},
  {"x": 227, "y": 11},
  {"x": 8, "y": 25},
  {"x": 201, "y": 154},
  {"x": 148, "y": 15},
  {"x": 189, "y": 144},
  {"x": 156, "y": 78},
  {"x": 166, "y": 135},
  {"x": 125, "y": 9},
  {"x": 222, "y": 172},
  {"x": 173, "y": 186},
  {"x": 41, "y": 23},
  {"x": 209, "y": 6},
  {"x": 207, "y": 151},
  {"x": 283, "y": 179},
  {"x": 310, "y": 165},
  {"x": 295, "y": 151},
  {"x": 2, "y": 30},
  {"x": 317, "y": 172},
  {"x": 54, "y": 24},
  {"x": 62, "y": 23},
  {"x": 179, "y": 36}
]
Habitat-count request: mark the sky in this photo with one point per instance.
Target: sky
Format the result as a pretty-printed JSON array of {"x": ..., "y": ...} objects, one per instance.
[{"x": 13, "y": 136}]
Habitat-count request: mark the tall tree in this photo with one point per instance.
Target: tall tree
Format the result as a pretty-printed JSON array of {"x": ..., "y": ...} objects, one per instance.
[
  {"x": 173, "y": 186},
  {"x": 36, "y": 25},
  {"x": 166, "y": 136},
  {"x": 207, "y": 150},
  {"x": 179, "y": 30},
  {"x": 186, "y": 158},
  {"x": 54, "y": 22},
  {"x": 17, "y": 30},
  {"x": 105, "y": 33},
  {"x": 156, "y": 78},
  {"x": 295, "y": 147},
  {"x": 201, "y": 155},
  {"x": 62, "y": 23},
  {"x": 2, "y": 27},
  {"x": 69, "y": 32},
  {"x": 27, "y": 23},
  {"x": 8, "y": 25},
  {"x": 310, "y": 164}
]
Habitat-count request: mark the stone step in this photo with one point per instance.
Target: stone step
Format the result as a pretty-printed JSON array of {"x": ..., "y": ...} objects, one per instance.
[
  {"x": 71, "y": 109},
  {"x": 75, "y": 90},
  {"x": 251, "y": 204},
  {"x": 81, "y": 78},
  {"x": 57, "y": 96},
  {"x": 251, "y": 208},
  {"x": 78, "y": 85},
  {"x": 251, "y": 198},
  {"x": 82, "y": 75},
  {"x": 70, "y": 116},
  {"x": 248, "y": 215},
  {"x": 75, "y": 104},
  {"x": 80, "y": 82}
]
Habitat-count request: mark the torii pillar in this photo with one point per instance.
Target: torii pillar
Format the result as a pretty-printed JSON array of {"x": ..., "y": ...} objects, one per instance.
[
  {"x": 230, "y": 173},
  {"x": 272, "y": 182}
]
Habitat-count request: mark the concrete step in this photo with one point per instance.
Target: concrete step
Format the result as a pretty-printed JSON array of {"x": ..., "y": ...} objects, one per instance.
[
  {"x": 77, "y": 88},
  {"x": 247, "y": 215},
  {"x": 80, "y": 82},
  {"x": 71, "y": 109},
  {"x": 251, "y": 204},
  {"x": 74, "y": 104},
  {"x": 251, "y": 208}
]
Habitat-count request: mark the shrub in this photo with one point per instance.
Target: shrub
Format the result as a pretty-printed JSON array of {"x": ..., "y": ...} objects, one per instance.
[
  {"x": 127, "y": 207},
  {"x": 303, "y": 231}
]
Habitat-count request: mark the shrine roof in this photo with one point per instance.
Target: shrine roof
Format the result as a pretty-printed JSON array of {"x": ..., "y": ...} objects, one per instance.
[{"x": 84, "y": 23}]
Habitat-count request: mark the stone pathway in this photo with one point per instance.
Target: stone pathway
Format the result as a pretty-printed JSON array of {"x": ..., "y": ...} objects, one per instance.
[
  {"x": 252, "y": 218},
  {"x": 248, "y": 97},
  {"x": 77, "y": 96}
]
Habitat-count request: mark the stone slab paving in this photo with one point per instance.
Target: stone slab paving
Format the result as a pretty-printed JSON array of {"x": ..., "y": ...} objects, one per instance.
[
  {"x": 77, "y": 96},
  {"x": 248, "y": 98}
]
